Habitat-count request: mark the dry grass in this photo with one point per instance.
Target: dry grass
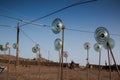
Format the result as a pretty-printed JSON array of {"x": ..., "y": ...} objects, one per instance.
[
  {"x": 51, "y": 73},
  {"x": 42, "y": 72}
]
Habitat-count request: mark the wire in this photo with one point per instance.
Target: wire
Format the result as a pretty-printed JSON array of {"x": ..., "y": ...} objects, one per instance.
[
  {"x": 6, "y": 26},
  {"x": 87, "y": 31},
  {"x": 24, "y": 21},
  {"x": 28, "y": 36},
  {"x": 79, "y": 30},
  {"x": 21, "y": 31},
  {"x": 31, "y": 22},
  {"x": 17, "y": 19},
  {"x": 72, "y": 5},
  {"x": 116, "y": 34},
  {"x": 3, "y": 25}
]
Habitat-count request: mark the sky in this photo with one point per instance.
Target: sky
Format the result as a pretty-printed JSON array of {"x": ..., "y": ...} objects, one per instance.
[{"x": 84, "y": 19}]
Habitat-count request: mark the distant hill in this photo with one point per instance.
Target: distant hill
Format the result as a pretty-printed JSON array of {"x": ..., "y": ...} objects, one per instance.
[
  {"x": 12, "y": 57},
  {"x": 4, "y": 58}
]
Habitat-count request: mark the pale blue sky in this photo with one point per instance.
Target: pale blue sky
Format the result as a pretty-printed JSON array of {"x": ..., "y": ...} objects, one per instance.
[{"x": 85, "y": 17}]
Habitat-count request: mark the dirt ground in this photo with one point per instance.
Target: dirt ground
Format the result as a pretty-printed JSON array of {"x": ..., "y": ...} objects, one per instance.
[{"x": 53, "y": 73}]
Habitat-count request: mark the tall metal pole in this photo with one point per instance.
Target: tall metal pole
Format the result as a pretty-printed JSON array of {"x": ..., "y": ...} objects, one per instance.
[
  {"x": 39, "y": 63},
  {"x": 8, "y": 65},
  {"x": 110, "y": 76},
  {"x": 99, "y": 77},
  {"x": 66, "y": 69},
  {"x": 17, "y": 49},
  {"x": 87, "y": 64},
  {"x": 61, "y": 78},
  {"x": 59, "y": 68},
  {"x": 113, "y": 58}
]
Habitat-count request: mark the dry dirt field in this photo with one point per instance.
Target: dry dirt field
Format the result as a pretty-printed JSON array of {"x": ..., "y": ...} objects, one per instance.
[
  {"x": 52, "y": 73},
  {"x": 49, "y": 72}
]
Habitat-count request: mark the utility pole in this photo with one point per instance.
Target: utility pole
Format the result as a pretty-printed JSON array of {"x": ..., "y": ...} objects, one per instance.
[
  {"x": 17, "y": 48},
  {"x": 61, "y": 78}
]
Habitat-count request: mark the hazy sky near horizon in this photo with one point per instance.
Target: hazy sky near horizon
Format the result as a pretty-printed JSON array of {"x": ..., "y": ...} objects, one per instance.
[{"x": 84, "y": 17}]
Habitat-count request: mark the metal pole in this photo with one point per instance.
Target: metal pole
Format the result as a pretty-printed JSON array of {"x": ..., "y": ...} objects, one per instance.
[
  {"x": 17, "y": 49},
  {"x": 99, "y": 77},
  {"x": 59, "y": 66},
  {"x": 8, "y": 65},
  {"x": 113, "y": 58},
  {"x": 66, "y": 69},
  {"x": 87, "y": 64},
  {"x": 39, "y": 63},
  {"x": 61, "y": 78},
  {"x": 110, "y": 76}
]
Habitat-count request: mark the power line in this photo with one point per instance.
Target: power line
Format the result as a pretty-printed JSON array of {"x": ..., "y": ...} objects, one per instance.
[
  {"x": 24, "y": 21},
  {"x": 7, "y": 26},
  {"x": 115, "y": 34},
  {"x": 76, "y": 30},
  {"x": 28, "y": 36},
  {"x": 79, "y": 30},
  {"x": 72, "y": 5},
  {"x": 3, "y": 25},
  {"x": 17, "y": 19},
  {"x": 41, "y": 25},
  {"x": 31, "y": 22}
]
